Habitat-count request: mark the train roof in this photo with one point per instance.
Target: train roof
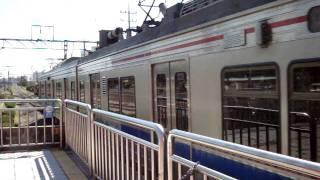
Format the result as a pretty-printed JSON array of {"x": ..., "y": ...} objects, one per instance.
[
  {"x": 65, "y": 65},
  {"x": 179, "y": 18}
]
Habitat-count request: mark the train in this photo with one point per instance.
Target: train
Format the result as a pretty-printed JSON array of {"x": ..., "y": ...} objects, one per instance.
[{"x": 242, "y": 71}]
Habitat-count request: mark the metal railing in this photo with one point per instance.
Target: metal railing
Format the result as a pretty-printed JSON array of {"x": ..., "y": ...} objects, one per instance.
[
  {"x": 303, "y": 138},
  {"x": 78, "y": 117},
  {"x": 127, "y": 147},
  {"x": 252, "y": 126},
  {"x": 30, "y": 122},
  {"x": 114, "y": 146},
  {"x": 264, "y": 162}
]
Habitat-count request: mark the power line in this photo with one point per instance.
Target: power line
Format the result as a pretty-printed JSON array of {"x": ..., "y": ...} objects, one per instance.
[{"x": 41, "y": 44}]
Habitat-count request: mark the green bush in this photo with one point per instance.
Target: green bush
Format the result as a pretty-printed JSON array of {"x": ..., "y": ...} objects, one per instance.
[
  {"x": 3, "y": 96},
  {"x": 10, "y": 104},
  {"x": 6, "y": 119},
  {"x": 29, "y": 88}
]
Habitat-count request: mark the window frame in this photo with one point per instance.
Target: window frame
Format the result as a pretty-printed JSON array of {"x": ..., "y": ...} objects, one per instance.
[
  {"x": 277, "y": 92},
  {"x": 291, "y": 95},
  {"x": 73, "y": 90},
  {"x": 134, "y": 89},
  {"x": 309, "y": 19},
  {"x": 58, "y": 89},
  {"x": 95, "y": 79},
  {"x": 42, "y": 89},
  {"x": 82, "y": 89},
  {"x": 48, "y": 89},
  {"x": 119, "y": 95}
]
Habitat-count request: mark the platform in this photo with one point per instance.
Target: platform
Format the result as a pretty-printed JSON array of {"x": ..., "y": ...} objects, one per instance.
[{"x": 38, "y": 164}]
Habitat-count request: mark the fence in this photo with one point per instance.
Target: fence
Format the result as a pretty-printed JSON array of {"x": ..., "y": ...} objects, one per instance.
[
  {"x": 78, "y": 117},
  {"x": 30, "y": 122},
  {"x": 118, "y": 147},
  {"x": 214, "y": 158},
  {"x": 114, "y": 146},
  {"x": 132, "y": 147}
]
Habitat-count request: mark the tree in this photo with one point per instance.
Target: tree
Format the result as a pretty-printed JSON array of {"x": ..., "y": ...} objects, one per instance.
[{"x": 23, "y": 81}]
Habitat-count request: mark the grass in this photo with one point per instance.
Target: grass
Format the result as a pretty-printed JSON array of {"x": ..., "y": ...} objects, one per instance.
[
  {"x": 8, "y": 115},
  {"x": 6, "y": 118}
]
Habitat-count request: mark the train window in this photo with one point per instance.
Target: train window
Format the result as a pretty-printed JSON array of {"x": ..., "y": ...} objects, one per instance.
[
  {"x": 65, "y": 87},
  {"x": 58, "y": 90},
  {"x": 42, "y": 90},
  {"x": 181, "y": 101},
  {"x": 128, "y": 99},
  {"x": 82, "y": 91},
  {"x": 251, "y": 106},
  {"x": 95, "y": 90},
  {"x": 314, "y": 19},
  {"x": 162, "y": 99},
  {"x": 304, "y": 110},
  {"x": 250, "y": 80},
  {"x": 113, "y": 95},
  {"x": 73, "y": 90},
  {"x": 48, "y": 90},
  {"x": 53, "y": 89},
  {"x": 306, "y": 79}
]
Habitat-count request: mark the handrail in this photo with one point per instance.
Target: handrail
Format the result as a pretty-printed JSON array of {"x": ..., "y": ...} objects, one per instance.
[
  {"x": 28, "y": 100},
  {"x": 299, "y": 165},
  {"x": 85, "y": 105},
  {"x": 156, "y": 128},
  {"x": 92, "y": 128}
]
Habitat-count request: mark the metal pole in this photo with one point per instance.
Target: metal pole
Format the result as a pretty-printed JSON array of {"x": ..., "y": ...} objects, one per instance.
[{"x": 61, "y": 119}]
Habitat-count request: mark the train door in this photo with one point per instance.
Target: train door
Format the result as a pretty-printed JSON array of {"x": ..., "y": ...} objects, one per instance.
[
  {"x": 53, "y": 89},
  {"x": 65, "y": 88},
  {"x": 171, "y": 98}
]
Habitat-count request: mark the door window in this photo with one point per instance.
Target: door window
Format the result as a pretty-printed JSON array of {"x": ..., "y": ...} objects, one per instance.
[
  {"x": 181, "y": 101},
  {"x": 161, "y": 99},
  {"x": 113, "y": 95},
  {"x": 82, "y": 91},
  {"x": 95, "y": 90}
]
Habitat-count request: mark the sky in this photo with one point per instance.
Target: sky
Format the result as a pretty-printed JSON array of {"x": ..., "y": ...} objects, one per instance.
[{"x": 72, "y": 20}]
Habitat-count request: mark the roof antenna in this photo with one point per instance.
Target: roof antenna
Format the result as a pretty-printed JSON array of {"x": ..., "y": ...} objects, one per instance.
[{"x": 152, "y": 22}]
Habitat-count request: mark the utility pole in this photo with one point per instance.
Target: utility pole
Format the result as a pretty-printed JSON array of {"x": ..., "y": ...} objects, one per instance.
[
  {"x": 129, "y": 13},
  {"x": 41, "y": 27},
  {"x": 8, "y": 74}
]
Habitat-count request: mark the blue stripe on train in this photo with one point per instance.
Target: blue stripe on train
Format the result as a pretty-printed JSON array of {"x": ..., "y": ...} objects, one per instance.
[
  {"x": 224, "y": 165},
  {"x": 136, "y": 132}
]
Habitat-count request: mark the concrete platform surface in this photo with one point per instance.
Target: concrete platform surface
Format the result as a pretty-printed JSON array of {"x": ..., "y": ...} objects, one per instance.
[{"x": 41, "y": 164}]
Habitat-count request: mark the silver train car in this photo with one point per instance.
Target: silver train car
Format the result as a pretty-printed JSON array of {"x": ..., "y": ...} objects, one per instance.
[{"x": 243, "y": 71}]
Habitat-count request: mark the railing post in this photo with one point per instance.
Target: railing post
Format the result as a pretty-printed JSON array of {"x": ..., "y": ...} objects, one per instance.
[
  {"x": 169, "y": 154},
  {"x": 90, "y": 140},
  {"x": 65, "y": 124},
  {"x": 161, "y": 154},
  {"x": 61, "y": 119}
]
